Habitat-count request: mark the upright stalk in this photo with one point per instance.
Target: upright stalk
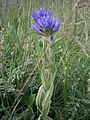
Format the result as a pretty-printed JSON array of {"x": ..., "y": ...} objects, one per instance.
[
  {"x": 43, "y": 99},
  {"x": 43, "y": 59},
  {"x": 65, "y": 91},
  {"x": 75, "y": 18},
  {"x": 49, "y": 59},
  {"x": 86, "y": 20}
]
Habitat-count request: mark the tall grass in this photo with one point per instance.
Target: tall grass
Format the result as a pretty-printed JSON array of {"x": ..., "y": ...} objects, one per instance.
[{"x": 71, "y": 98}]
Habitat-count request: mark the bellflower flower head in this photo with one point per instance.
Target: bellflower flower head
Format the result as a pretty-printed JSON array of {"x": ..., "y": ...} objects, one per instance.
[
  {"x": 8, "y": 4},
  {"x": 47, "y": 61},
  {"x": 44, "y": 23},
  {"x": 51, "y": 39}
]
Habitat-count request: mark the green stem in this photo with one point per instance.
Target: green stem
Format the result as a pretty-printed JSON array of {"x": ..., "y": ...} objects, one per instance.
[
  {"x": 43, "y": 58},
  {"x": 49, "y": 59},
  {"x": 65, "y": 98},
  {"x": 49, "y": 56},
  {"x": 65, "y": 91}
]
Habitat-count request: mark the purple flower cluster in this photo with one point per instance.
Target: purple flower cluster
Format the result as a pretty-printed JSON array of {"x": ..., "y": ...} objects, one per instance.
[{"x": 44, "y": 24}]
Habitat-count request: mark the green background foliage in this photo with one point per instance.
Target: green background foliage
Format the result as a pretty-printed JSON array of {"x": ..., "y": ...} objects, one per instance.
[{"x": 70, "y": 54}]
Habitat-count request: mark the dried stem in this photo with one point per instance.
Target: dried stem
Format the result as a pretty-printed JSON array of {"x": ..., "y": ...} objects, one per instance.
[
  {"x": 86, "y": 22},
  {"x": 2, "y": 52},
  {"x": 83, "y": 48}
]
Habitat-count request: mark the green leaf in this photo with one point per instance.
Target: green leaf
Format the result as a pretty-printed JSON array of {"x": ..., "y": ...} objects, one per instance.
[
  {"x": 47, "y": 96},
  {"x": 54, "y": 74},
  {"x": 31, "y": 100},
  {"x": 87, "y": 101},
  {"x": 39, "y": 50},
  {"x": 56, "y": 42},
  {"x": 39, "y": 97},
  {"x": 43, "y": 79},
  {"x": 48, "y": 118},
  {"x": 52, "y": 77}
]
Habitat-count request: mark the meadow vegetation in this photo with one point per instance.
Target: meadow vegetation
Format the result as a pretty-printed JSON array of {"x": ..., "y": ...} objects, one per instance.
[{"x": 71, "y": 56}]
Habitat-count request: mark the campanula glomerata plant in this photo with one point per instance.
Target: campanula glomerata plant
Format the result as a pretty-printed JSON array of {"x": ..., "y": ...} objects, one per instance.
[{"x": 46, "y": 26}]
